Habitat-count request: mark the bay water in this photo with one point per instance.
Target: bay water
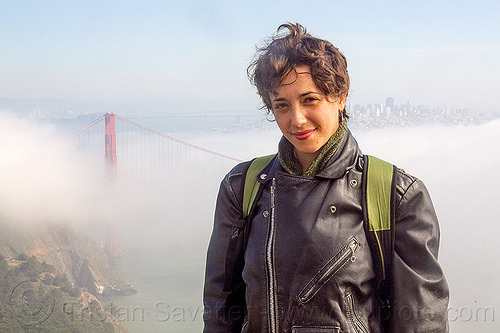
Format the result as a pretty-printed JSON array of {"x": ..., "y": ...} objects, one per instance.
[{"x": 169, "y": 284}]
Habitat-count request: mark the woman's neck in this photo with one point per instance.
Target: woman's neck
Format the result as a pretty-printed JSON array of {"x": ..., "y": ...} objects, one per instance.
[
  {"x": 300, "y": 164},
  {"x": 304, "y": 159}
]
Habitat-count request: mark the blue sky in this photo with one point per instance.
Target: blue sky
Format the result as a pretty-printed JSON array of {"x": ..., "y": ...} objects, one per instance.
[{"x": 192, "y": 55}]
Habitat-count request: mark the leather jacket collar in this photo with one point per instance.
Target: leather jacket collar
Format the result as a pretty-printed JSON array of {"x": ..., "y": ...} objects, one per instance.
[{"x": 344, "y": 159}]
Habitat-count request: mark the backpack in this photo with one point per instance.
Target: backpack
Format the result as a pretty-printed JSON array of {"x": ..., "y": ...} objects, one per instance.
[{"x": 378, "y": 205}]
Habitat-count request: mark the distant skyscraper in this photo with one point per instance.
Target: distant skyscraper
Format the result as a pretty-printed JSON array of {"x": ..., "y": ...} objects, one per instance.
[
  {"x": 389, "y": 106},
  {"x": 389, "y": 103},
  {"x": 448, "y": 110}
]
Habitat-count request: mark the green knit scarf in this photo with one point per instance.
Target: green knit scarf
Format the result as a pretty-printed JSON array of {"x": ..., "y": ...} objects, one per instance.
[{"x": 290, "y": 163}]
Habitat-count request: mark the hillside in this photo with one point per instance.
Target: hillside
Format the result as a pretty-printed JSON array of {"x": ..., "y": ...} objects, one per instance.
[
  {"x": 69, "y": 250},
  {"x": 52, "y": 276}
]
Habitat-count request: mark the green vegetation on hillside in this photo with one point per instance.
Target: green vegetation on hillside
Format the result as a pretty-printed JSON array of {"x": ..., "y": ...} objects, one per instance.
[
  {"x": 69, "y": 250},
  {"x": 33, "y": 298}
]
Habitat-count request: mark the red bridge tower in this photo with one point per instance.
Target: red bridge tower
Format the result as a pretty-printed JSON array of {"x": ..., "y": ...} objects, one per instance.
[{"x": 112, "y": 245}]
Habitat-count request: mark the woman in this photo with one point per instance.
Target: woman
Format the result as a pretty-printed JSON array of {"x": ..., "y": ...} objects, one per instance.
[{"x": 275, "y": 277}]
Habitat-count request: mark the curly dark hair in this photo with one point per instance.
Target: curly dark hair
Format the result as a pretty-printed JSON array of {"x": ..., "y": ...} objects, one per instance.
[{"x": 284, "y": 52}]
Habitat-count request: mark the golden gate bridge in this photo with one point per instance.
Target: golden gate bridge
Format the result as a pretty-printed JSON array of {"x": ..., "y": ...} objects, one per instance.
[
  {"x": 135, "y": 149},
  {"x": 132, "y": 149}
]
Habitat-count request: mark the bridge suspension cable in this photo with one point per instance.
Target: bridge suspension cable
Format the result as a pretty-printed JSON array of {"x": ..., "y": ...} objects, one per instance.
[
  {"x": 142, "y": 151},
  {"x": 176, "y": 140}
]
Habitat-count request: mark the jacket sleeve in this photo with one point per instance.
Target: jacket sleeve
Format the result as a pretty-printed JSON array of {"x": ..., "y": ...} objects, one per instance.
[
  {"x": 420, "y": 291},
  {"x": 223, "y": 311}
]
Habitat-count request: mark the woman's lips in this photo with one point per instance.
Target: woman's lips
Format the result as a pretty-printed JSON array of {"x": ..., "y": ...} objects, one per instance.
[{"x": 303, "y": 135}]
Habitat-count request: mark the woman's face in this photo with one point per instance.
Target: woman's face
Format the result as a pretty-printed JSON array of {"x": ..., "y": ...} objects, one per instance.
[{"x": 305, "y": 116}]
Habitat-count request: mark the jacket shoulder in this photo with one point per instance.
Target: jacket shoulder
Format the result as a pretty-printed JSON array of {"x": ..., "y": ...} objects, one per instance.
[
  {"x": 237, "y": 172},
  {"x": 407, "y": 185},
  {"x": 233, "y": 181}
]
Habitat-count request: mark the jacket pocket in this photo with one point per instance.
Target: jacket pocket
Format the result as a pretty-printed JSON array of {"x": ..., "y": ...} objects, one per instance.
[
  {"x": 353, "y": 316},
  {"x": 332, "y": 266},
  {"x": 316, "y": 329}
]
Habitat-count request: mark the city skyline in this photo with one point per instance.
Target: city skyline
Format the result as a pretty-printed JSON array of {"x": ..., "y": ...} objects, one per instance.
[
  {"x": 81, "y": 107},
  {"x": 369, "y": 116}
]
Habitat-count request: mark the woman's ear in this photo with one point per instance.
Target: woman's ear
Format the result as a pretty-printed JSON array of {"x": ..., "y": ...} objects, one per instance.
[{"x": 342, "y": 100}]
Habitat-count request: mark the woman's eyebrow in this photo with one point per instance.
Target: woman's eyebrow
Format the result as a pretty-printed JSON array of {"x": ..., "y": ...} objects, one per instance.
[
  {"x": 309, "y": 92},
  {"x": 278, "y": 99}
]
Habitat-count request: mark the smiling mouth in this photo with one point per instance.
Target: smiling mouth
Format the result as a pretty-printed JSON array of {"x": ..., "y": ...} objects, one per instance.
[{"x": 303, "y": 135}]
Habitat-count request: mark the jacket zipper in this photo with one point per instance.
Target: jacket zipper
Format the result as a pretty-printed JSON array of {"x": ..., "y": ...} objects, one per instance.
[
  {"x": 328, "y": 270},
  {"x": 356, "y": 322},
  {"x": 244, "y": 328},
  {"x": 270, "y": 263}
]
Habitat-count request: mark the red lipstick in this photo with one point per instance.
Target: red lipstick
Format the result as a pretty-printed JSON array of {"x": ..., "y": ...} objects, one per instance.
[{"x": 303, "y": 135}]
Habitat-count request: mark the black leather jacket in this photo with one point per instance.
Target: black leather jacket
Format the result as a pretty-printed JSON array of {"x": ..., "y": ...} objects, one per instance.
[{"x": 307, "y": 266}]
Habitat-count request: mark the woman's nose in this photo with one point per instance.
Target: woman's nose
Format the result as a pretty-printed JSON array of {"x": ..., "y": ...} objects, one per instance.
[{"x": 298, "y": 117}]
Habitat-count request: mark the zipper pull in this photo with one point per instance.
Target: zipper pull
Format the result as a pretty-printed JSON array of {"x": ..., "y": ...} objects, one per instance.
[
  {"x": 236, "y": 233},
  {"x": 353, "y": 246}
]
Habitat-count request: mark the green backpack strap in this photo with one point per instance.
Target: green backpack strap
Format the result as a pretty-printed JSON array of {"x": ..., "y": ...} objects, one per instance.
[
  {"x": 251, "y": 187},
  {"x": 379, "y": 188},
  {"x": 237, "y": 244}
]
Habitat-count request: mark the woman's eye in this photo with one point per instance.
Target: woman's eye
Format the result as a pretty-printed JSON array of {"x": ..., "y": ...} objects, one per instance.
[
  {"x": 280, "y": 106},
  {"x": 310, "y": 99}
]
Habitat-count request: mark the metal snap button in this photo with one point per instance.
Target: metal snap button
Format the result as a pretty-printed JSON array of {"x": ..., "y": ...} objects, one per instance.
[
  {"x": 333, "y": 209},
  {"x": 263, "y": 176},
  {"x": 353, "y": 182},
  {"x": 265, "y": 213}
]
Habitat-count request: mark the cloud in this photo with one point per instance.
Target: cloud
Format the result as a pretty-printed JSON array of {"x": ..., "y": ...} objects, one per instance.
[{"x": 42, "y": 177}]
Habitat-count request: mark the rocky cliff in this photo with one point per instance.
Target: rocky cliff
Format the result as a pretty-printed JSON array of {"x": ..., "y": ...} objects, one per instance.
[{"x": 69, "y": 250}]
